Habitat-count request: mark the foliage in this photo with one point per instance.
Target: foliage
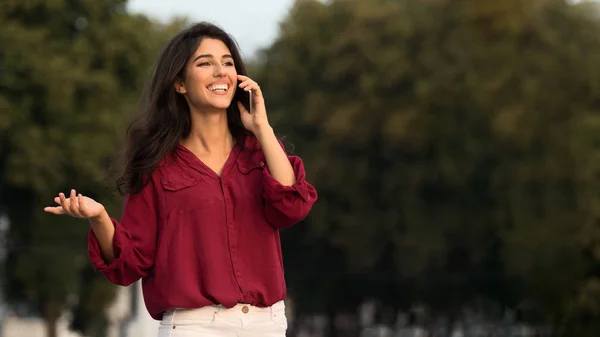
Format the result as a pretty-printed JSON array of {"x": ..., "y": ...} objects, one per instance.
[
  {"x": 454, "y": 147},
  {"x": 71, "y": 75}
]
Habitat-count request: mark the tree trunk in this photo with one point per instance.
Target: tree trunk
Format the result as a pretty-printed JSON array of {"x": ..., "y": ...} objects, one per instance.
[
  {"x": 51, "y": 327},
  {"x": 51, "y": 314},
  {"x": 331, "y": 326}
]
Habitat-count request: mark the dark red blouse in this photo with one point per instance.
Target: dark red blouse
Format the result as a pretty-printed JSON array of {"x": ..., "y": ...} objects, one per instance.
[{"x": 198, "y": 239}]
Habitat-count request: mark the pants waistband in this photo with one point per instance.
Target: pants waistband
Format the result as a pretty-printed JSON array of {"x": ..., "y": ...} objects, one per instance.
[{"x": 181, "y": 316}]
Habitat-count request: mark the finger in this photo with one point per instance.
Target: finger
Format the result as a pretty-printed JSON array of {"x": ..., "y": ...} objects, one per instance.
[
  {"x": 243, "y": 83},
  {"x": 82, "y": 207},
  {"x": 57, "y": 200},
  {"x": 252, "y": 87},
  {"x": 246, "y": 81},
  {"x": 74, "y": 203},
  {"x": 55, "y": 210},
  {"x": 73, "y": 200},
  {"x": 249, "y": 85},
  {"x": 246, "y": 84},
  {"x": 256, "y": 92},
  {"x": 64, "y": 203}
]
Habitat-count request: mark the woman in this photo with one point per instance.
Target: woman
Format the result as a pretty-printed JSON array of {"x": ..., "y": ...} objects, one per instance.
[{"x": 207, "y": 188}]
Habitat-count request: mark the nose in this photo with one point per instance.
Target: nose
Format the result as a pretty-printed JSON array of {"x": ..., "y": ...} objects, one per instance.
[{"x": 219, "y": 70}]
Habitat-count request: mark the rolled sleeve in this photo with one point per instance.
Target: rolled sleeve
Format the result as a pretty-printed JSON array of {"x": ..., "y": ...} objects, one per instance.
[
  {"x": 95, "y": 253},
  {"x": 133, "y": 241},
  {"x": 287, "y": 205}
]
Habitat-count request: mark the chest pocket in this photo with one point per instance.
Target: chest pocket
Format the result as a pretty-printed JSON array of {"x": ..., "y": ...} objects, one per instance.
[
  {"x": 187, "y": 192},
  {"x": 250, "y": 176}
]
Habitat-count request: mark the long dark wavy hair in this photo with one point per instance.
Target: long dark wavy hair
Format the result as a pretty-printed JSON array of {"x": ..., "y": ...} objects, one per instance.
[{"x": 164, "y": 117}]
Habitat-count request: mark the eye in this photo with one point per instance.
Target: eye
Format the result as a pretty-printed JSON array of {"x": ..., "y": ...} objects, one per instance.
[
  {"x": 228, "y": 64},
  {"x": 204, "y": 64}
]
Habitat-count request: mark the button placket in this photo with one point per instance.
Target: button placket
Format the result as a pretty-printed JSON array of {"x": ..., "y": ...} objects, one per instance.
[{"x": 229, "y": 223}]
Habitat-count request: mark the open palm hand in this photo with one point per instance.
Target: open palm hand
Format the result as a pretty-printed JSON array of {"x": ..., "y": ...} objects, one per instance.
[{"x": 76, "y": 206}]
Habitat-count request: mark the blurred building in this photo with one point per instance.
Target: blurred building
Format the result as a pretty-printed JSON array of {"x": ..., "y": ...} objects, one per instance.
[
  {"x": 128, "y": 314},
  {"x": 128, "y": 317}
]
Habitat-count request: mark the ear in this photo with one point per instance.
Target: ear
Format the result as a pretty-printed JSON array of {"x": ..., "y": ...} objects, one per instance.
[{"x": 179, "y": 87}]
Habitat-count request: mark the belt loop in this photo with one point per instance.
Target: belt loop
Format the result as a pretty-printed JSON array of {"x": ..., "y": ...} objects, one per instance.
[{"x": 173, "y": 317}]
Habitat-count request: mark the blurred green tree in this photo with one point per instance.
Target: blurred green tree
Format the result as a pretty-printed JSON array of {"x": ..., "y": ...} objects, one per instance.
[
  {"x": 70, "y": 76},
  {"x": 453, "y": 145}
]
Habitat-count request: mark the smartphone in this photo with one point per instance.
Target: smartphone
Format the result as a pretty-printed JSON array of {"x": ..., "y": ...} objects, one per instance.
[
  {"x": 250, "y": 101},
  {"x": 245, "y": 97}
]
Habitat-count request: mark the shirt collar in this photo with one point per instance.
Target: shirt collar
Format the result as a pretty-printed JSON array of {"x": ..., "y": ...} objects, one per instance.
[{"x": 243, "y": 158}]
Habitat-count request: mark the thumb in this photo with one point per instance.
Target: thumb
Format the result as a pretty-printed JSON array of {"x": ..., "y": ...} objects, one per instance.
[{"x": 55, "y": 210}]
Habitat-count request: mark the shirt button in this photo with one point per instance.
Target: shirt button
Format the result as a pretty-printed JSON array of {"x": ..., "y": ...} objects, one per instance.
[
  {"x": 245, "y": 309},
  {"x": 262, "y": 163},
  {"x": 230, "y": 226},
  {"x": 238, "y": 274},
  {"x": 233, "y": 250}
]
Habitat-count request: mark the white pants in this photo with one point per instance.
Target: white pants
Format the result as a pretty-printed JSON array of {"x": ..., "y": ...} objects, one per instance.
[{"x": 243, "y": 320}]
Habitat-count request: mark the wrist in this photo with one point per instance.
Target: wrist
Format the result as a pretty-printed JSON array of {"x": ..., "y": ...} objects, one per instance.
[
  {"x": 100, "y": 218},
  {"x": 263, "y": 132}
]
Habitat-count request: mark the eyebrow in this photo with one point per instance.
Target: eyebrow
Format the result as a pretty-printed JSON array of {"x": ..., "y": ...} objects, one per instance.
[{"x": 211, "y": 56}]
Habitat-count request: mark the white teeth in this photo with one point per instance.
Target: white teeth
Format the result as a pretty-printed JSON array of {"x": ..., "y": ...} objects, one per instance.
[{"x": 216, "y": 87}]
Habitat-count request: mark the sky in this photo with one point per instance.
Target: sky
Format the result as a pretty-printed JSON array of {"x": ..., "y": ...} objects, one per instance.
[{"x": 254, "y": 24}]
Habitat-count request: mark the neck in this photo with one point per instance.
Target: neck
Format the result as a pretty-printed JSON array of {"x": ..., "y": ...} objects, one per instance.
[{"x": 209, "y": 134}]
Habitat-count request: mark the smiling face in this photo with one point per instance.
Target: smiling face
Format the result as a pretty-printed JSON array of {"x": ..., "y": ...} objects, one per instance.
[{"x": 210, "y": 77}]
